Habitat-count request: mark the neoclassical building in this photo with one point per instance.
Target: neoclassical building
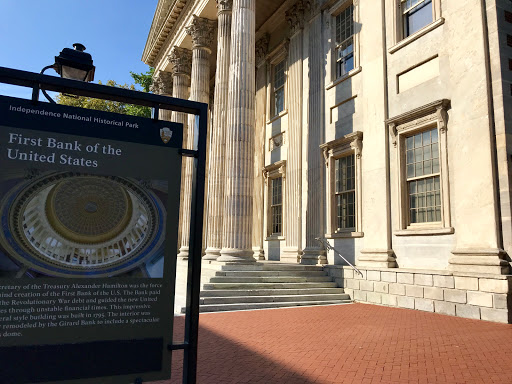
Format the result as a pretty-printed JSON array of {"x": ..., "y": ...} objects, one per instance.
[{"x": 379, "y": 126}]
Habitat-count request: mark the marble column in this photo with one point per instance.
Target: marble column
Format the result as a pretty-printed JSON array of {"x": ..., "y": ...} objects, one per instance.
[
  {"x": 218, "y": 139},
  {"x": 293, "y": 191},
  {"x": 201, "y": 30},
  {"x": 313, "y": 179},
  {"x": 238, "y": 199},
  {"x": 181, "y": 59},
  {"x": 259, "y": 147},
  {"x": 166, "y": 89}
]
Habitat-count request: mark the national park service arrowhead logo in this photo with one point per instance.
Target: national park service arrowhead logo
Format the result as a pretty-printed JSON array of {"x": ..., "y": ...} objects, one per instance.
[{"x": 165, "y": 135}]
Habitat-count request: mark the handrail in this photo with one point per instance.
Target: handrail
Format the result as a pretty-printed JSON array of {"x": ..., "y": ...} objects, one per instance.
[{"x": 330, "y": 247}]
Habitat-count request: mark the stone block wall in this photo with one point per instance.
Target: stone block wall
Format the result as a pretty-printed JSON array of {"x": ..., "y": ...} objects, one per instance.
[{"x": 481, "y": 297}]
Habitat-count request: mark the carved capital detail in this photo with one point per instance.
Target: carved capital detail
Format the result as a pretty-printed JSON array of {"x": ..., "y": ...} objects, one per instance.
[
  {"x": 224, "y": 6},
  {"x": 165, "y": 82},
  {"x": 393, "y": 133},
  {"x": 155, "y": 85},
  {"x": 296, "y": 15},
  {"x": 202, "y": 32},
  {"x": 357, "y": 146},
  {"x": 262, "y": 48},
  {"x": 442, "y": 118},
  {"x": 181, "y": 59}
]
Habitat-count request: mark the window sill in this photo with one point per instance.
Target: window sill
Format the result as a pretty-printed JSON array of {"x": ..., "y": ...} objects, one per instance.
[
  {"x": 277, "y": 117},
  {"x": 344, "y": 235},
  {"x": 274, "y": 238},
  {"x": 415, "y": 36},
  {"x": 425, "y": 231},
  {"x": 341, "y": 79}
]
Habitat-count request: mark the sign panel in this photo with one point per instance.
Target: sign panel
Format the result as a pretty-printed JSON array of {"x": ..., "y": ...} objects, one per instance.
[{"x": 89, "y": 205}]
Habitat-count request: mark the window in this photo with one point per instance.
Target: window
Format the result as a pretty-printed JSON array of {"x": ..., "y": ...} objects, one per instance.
[
  {"x": 345, "y": 192},
  {"x": 279, "y": 78},
  {"x": 420, "y": 139},
  {"x": 276, "y": 207},
  {"x": 413, "y": 19},
  {"x": 274, "y": 175},
  {"x": 416, "y": 14},
  {"x": 343, "y": 162},
  {"x": 345, "y": 41},
  {"x": 423, "y": 177}
]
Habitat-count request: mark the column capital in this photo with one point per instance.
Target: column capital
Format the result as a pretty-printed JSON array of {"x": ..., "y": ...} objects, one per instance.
[
  {"x": 202, "y": 32},
  {"x": 296, "y": 15},
  {"x": 262, "y": 48},
  {"x": 155, "y": 85},
  {"x": 165, "y": 80},
  {"x": 181, "y": 59},
  {"x": 224, "y": 6}
]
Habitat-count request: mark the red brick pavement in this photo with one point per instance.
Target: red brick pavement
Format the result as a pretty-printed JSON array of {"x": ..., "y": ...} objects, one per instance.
[{"x": 354, "y": 343}]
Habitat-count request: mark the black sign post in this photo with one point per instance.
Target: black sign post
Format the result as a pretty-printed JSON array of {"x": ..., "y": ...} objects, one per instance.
[{"x": 89, "y": 206}]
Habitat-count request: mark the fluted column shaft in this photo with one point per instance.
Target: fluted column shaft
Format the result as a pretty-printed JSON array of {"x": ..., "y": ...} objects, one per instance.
[
  {"x": 238, "y": 200},
  {"x": 293, "y": 189},
  {"x": 313, "y": 211},
  {"x": 182, "y": 65},
  {"x": 201, "y": 31},
  {"x": 218, "y": 138}
]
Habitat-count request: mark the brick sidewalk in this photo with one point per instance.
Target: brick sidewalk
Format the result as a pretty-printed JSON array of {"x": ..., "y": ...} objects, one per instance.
[{"x": 354, "y": 343}]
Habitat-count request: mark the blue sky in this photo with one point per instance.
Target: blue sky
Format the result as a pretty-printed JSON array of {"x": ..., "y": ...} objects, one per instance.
[{"x": 33, "y": 32}]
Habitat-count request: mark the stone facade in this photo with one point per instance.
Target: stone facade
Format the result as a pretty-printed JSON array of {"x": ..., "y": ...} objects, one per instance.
[{"x": 339, "y": 119}]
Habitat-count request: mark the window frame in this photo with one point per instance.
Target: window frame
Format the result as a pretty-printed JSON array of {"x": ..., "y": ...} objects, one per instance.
[
  {"x": 339, "y": 7},
  {"x": 278, "y": 55},
  {"x": 270, "y": 173},
  {"x": 428, "y": 117},
  {"x": 400, "y": 39},
  {"x": 348, "y": 145}
]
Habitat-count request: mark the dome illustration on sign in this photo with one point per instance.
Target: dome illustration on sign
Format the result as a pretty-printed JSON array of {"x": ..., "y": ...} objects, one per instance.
[{"x": 67, "y": 224}]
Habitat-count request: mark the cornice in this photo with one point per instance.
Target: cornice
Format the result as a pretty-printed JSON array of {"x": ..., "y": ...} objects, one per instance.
[{"x": 166, "y": 15}]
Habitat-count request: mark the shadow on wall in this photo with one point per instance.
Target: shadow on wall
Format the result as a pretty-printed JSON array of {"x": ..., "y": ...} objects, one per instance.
[
  {"x": 274, "y": 250},
  {"x": 347, "y": 248}
]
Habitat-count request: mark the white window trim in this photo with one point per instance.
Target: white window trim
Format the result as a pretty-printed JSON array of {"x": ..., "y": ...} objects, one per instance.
[
  {"x": 433, "y": 115},
  {"x": 334, "y": 11},
  {"x": 400, "y": 40},
  {"x": 333, "y": 150},
  {"x": 270, "y": 172},
  {"x": 277, "y": 55}
]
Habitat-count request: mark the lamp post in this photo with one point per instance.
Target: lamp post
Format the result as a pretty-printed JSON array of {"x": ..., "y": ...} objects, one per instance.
[{"x": 72, "y": 64}]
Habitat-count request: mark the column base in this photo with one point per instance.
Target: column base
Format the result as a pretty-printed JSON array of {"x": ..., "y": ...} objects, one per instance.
[
  {"x": 479, "y": 261},
  {"x": 211, "y": 254},
  {"x": 313, "y": 256},
  {"x": 236, "y": 256},
  {"x": 290, "y": 255},
  {"x": 183, "y": 253},
  {"x": 258, "y": 253},
  {"x": 377, "y": 258}
]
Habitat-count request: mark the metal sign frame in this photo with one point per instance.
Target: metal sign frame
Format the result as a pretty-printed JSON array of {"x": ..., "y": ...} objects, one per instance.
[{"x": 40, "y": 82}]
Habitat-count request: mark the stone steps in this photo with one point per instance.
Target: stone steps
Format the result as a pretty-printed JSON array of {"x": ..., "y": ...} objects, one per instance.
[
  {"x": 269, "y": 292},
  {"x": 269, "y": 285},
  {"x": 272, "y": 279},
  {"x": 247, "y": 306},
  {"x": 269, "y": 273},
  {"x": 274, "y": 299},
  {"x": 238, "y": 285}
]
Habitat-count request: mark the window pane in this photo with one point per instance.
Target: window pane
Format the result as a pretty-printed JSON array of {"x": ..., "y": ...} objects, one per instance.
[
  {"x": 417, "y": 141},
  {"x": 409, "y": 142},
  {"x": 417, "y": 18}
]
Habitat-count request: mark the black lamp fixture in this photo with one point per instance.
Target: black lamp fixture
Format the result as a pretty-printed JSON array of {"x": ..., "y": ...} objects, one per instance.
[
  {"x": 72, "y": 64},
  {"x": 75, "y": 64}
]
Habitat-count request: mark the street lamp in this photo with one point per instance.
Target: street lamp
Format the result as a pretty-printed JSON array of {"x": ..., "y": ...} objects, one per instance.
[{"x": 72, "y": 64}]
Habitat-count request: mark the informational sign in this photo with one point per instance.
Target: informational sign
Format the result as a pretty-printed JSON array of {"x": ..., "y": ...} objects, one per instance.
[{"x": 89, "y": 206}]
